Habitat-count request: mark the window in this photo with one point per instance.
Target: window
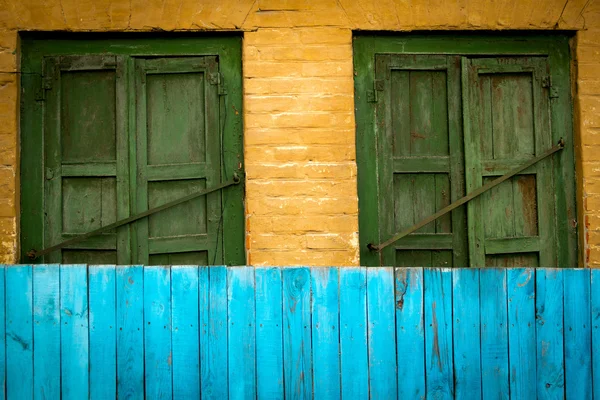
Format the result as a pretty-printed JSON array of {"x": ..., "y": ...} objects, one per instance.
[
  {"x": 440, "y": 117},
  {"x": 123, "y": 127}
]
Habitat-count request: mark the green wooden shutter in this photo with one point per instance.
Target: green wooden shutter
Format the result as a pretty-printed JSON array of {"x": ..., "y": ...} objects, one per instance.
[
  {"x": 420, "y": 158},
  {"x": 178, "y": 151},
  {"x": 507, "y": 122},
  {"x": 86, "y": 158}
]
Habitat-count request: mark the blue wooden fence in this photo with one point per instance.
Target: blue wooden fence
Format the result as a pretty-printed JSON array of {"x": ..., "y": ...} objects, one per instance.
[{"x": 238, "y": 332}]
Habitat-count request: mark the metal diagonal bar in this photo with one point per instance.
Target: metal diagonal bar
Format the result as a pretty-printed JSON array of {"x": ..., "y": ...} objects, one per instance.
[
  {"x": 33, "y": 254},
  {"x": 470, "y": 196}
]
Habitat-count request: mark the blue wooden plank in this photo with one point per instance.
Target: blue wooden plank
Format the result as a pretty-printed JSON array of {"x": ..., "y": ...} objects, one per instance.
[
  {"x": 157, "y": 332},
  {"x": 549, "y": 333},
  {"x": 353, "y": 333},
  {"x": 381, "y": 333},
  {"x": 46, "y": 331},
  {"x": 3, "y": 334},
  {"x": 241, "y": 331},
  {"x": 466, "y": 333},
  {"x": 185, "y": 332},
  {"x": 213, "y": 338},
  {"x": 103, "y": 331},
  {"x": 521, "y": 332},
  {"x": 595, "y": 300},
  {"x": 410, "y": 334},
  {"x": 130, "y": 336},
  {"x": 297, "y": 346},
  {"x": 325, "y": 333},
  {"x": 19, "y": 333},
  {"x": 494, "y": 333},
  {"x": 438, "y": 333},
  {"x": 578, "y": 339},
  {"x": 269, "y": 333},
  {"x": 74, "y": 339}
]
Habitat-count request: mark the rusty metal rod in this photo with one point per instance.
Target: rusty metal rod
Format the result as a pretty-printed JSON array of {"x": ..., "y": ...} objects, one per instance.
[
  {"x": 463, "y": 200},
  {"x": 33, "y": 254}
]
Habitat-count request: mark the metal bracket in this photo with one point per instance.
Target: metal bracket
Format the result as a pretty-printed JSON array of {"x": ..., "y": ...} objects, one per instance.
[
  {"x": 547, "y": 83},
  {"x": 378, "y": 247},
  {"x": 378, "y": 86},
  {"x": 216, "y": 78}
]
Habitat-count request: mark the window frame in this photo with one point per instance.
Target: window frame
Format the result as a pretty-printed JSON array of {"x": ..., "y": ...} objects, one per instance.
[
  {"x": 36, "y": 46},
  {"x": 555, "y": 46}
]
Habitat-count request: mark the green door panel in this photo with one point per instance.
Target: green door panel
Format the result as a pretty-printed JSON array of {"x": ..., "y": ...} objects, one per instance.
[
  {"x": 178, "y": 152},
  {"x": 420, "y": 157},
  {"x": 85, "y": 153},
  {"x": 507, "y": 122},
  {"x": 438, "y": 116},
  {"x": 115, "y": 126}
]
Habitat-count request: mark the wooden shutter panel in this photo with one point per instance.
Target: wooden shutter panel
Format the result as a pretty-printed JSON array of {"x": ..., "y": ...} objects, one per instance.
[
  {"x": 86, "y": 158},
  {"x": 178, "y": 152},
  {"x": 420, "y": 158},
  {"x": 507, "y": 122}
]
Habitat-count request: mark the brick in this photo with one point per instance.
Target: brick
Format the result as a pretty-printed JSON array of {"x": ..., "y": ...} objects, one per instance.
[
  {"x": 332, "y": 241},
  {"x": 311, "y": 223},
  {"x": 308, "y": 170},
  {"x": 277, "y": 241},
  {"x": 588, "y": 71},
  {"x": 277, "y": 36},
  {"x": 266, "y": 36},
  {"x": 313, "y": 119},
  {"x": 8, "y": 51},
  {"x": 8, "y": 150},
  {"x": 290, "y": 136},
  {"x": 591, "y": 152},
  {"x": 590, "y": 111},
  {"x": 320, "y": 153},
  {"x": 308, "y": 257},
  {"x": 279, "y": 188},
  {"x": 300, "y": 206},
  {"x": 290, "y": 86},
  {"x": 284, "y": 52},
  {"x": 326, "y": 36},
  {"x": 334, "y": 68},
  {"x": 588, "y": 54},
  {"x": 590, "y": 169},
  {"x": 274, "y": 69},
  {"x": 8, "y": 226},
  {"x": 588, "y": 86},
  {"x": 297, "y": 103}
]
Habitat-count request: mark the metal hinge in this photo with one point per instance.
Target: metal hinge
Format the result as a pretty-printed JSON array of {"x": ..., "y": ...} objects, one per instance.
[
  {"x": 547, "y": 83},
  {"x": 216, "y": 78},
  {"x": 378, "y": 85},
  {"x": 45, "y": 84}
]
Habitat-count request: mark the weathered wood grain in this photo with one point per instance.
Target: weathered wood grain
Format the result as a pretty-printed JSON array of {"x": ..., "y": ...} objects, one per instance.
[
  {"x": 325, "y": 332},
  {"x": 353, "y": 333},
  {"x": 466, "y": 333},
  {"x": 46, "y": 331},
  {"x": 269, "y": 333},
  {"x": 240, "y": 332},
  {"x": 381, "y": 333},
  {"x": 241, "y": 342},
  {"x": 297, "y": 344},
  {"x": 74, "y": 339},
  {"x": 521, "y": 332},
  {"x": 185, "y": 332},
  {"x": 410, "y": 333},
  {"x": 130, "y": 334},
  {"x": 158, "y": 356},
  {"x": 103, "y": 331}
]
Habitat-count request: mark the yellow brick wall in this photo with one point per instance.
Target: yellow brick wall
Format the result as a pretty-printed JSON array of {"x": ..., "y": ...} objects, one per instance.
[{"x": 301, "y": 201}]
